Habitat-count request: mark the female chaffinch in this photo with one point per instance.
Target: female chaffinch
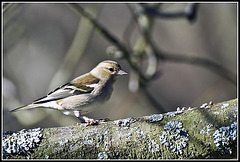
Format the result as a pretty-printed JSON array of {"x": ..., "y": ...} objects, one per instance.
[{"x": 82, "y": 94}]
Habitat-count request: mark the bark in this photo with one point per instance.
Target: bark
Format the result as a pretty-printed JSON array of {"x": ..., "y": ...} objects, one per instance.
[{"x": 208, "y": 131}]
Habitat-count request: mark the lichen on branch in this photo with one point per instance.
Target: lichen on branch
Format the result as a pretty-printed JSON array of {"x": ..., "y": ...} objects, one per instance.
[{"x": 207, "y": 131}]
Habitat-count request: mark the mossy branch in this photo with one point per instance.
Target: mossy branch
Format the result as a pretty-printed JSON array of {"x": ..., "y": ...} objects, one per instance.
[{"x": 208, "y": 131}]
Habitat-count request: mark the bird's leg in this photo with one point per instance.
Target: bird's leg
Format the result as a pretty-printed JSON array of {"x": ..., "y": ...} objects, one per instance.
[{"x": 87, "y": 120}]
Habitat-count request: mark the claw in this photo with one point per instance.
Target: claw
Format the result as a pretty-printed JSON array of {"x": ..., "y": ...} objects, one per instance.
[{"x": 89, "y": 121}]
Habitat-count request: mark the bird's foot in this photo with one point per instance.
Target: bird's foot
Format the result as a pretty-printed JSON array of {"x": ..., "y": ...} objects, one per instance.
[{"x": 89, "y": 121}]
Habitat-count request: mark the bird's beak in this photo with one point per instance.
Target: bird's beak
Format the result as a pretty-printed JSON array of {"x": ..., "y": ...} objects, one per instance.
[{"x": 121, "y": 72}]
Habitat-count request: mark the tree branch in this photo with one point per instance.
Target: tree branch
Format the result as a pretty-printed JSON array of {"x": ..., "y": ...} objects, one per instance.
[{"x": 208, "y": 131}]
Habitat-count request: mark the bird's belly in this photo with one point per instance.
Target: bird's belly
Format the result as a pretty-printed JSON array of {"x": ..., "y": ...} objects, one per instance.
[{"x": 87, "y": 103}]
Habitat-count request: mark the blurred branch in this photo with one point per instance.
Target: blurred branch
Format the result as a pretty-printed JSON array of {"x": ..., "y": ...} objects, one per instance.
[
  {"x": 145, "y": 24},
  {"x": 216, "y": 68},
  {"x": 190, "y": 12}
]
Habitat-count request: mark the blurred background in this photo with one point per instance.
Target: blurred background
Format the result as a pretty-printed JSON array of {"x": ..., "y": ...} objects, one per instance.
[{"x": 46, "y": 45}]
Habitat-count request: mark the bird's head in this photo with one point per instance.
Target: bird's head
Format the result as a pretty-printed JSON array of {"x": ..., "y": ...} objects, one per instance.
[{"x": 107, "y": 69}]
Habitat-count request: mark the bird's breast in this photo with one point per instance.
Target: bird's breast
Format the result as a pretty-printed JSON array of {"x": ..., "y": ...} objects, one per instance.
[{"x": 104, "y": 93}]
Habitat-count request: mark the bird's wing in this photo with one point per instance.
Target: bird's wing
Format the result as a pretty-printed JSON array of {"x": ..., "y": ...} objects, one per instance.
[
  {"x": 76, "y": 87},
  {"x": 58, "y": 93},
  {"x": 81, "y": 85}
]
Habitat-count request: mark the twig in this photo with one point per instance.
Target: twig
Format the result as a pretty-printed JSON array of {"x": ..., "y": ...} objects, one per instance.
[
  {"x": 145, "y": 24},
  {"x": 218, "y": 69},
  {"x": 190, "y": 12}
]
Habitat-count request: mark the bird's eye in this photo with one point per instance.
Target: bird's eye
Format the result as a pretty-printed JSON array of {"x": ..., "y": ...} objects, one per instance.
[{"x": 110, "y": 69}]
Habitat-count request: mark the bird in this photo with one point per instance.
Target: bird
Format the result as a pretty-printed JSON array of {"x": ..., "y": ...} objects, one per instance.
[{"x": 83, "y": 94}]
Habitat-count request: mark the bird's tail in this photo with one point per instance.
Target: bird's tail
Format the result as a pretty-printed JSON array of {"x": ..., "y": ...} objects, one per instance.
[{"x": 30, "y": 106}]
